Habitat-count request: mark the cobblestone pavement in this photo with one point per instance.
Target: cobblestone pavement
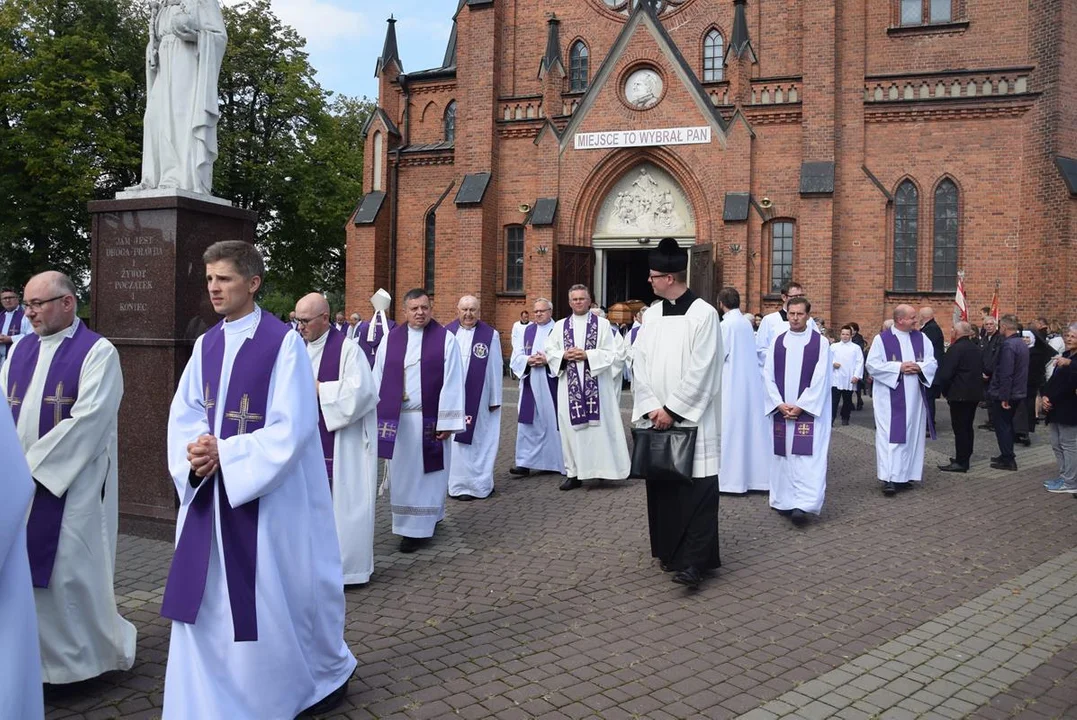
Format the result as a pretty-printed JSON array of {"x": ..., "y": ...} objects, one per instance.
[{"x": 957, "y": 598}]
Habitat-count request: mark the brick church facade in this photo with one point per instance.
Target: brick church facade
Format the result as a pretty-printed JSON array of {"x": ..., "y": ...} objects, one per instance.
[{"x": 870, "y": 149}]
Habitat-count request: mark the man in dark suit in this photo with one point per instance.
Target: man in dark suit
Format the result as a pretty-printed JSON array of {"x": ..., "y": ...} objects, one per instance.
[
  {"x": 959, "y": 379},
  {"x": 990, "y": 339},
  {"x": 933, "y": 332},
  {"x": 859, "y": 341},
  {"x": 1009, "y": 386}
]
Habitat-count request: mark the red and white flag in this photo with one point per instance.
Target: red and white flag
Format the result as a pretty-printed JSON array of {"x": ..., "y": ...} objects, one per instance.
[
  {"x": 961, "y": 309},
  {"x": 994, "y": 305}
]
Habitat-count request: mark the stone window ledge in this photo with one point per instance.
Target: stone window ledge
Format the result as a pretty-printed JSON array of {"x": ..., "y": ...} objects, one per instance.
[{"x": 957, "y": 26}]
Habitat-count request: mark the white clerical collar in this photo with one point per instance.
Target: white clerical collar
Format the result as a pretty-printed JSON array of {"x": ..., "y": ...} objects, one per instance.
[
  {"x": 846, "y": 342},
  {"x": 901, "y": 332},
  {"x": 415, "y": 331},
  {"x": 59, "y": 337},
  {"x": 320, "y": 341},
  {"x": 468, "y": 329},
  {"x": 798, "y": 334},
  {"x": 245, "y": 323}
]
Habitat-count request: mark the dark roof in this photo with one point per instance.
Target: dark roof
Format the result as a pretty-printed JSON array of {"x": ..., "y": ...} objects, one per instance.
[
  {"x": 472, "y": 188},
  {"x": 739, "y": 41},
  {"x": 544, "y": 211},
  {"x": 552, "y": 58},
  {"x": 736, "y": 206},
  {"x": 368, "y": 209},
  {"x": 817, "y": 177},
  {"x": 389, "y": 51},
  {"x": 428, "y": 147},
  {"x": 389, "y": 124},
  {"x": 1068, "y": 167}
]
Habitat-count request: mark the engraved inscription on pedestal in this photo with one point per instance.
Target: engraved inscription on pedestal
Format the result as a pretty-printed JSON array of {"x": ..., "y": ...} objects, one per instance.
[{"x": 135, "y": 276}]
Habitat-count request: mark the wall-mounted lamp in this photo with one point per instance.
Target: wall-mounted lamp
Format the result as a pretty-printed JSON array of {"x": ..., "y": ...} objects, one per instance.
[
  {"x": 734, "y": 248},
  {"x": 542, "y": 249},
  {"x": 524, "y": 208},
  {"x": 765, "y": 203}
]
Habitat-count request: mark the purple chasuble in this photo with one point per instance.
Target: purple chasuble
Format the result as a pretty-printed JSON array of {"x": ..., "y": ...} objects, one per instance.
[
  {"x": 245, "y": 411},
  {"x": 527, "y": 398},
  {"x": 476, "y": 376},
  {"x": 370, "y": 349},
  {"x": 391, "y": 399},
  {"x": 803, "y": 426},
  {"x": 898, "y": 417},
  {"x": 582, "y": 393},
  {"x": 60, "y": 392},
  {"x": 16, "y": 323},
  {"x": 329, "y": 371}
]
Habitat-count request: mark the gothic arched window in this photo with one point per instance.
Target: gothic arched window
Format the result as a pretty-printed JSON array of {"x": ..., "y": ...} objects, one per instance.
[
  {"x": 906, "y": 232},
  {"x": 712, "y": 56},
  {"x": 450, "y": 121},
  {"x": 579, "y": 59},
  {"x": 944, "y": 242}
]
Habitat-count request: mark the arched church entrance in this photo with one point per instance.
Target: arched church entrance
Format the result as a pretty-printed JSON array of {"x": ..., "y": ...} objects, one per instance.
[{"x": 645, "y": 205}]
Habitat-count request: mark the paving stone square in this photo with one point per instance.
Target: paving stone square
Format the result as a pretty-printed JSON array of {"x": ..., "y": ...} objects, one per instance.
[{"x": 954, "y": 599}]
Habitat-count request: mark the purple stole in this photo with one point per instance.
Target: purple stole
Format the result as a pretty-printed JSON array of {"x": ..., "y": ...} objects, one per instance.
[
  {"x": 16, "y": 323},
  {"x": 476, "y": 376},
  {"x": 329, "y": 371},
  {"x": 632, "y": 334},
  {"x": 804, "y": 426},
  {"x": 892, "y": 346},
  {"x": 527, "y": 398},
  {"x": 582, "y": 393},
  {"x": 370, "y": 349},
  {"x": 432, "y": 377},
  {"x": 47, "y": 511},
  {"x": 245, "y": 408}
]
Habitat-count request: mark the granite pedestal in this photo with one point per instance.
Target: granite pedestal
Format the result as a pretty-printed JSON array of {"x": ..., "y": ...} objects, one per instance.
[{"x": 148, "y": 297}]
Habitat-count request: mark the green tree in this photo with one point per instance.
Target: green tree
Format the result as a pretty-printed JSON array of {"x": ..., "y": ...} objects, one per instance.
[{"x": 71, "y": 93}]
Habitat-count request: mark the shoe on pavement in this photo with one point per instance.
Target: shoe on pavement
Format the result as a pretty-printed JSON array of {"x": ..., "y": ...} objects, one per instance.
[
  {"x": 326, "y": 704},
  {"x": 985, "y": 426},
  {"x": 1053, "y": 485},
  {"x": 690, "y": 577},
  {"x": 464, "y": 497},
  {"x": 520, "y": 471},
  {"x": 409, "y": 544},
  {"x": 1011, "y": 466},
  {"x": 1052, "y": 481},
  {"x": 1064, "y": 488},
  {"x": 570, "y": 484},
  {"x": 798, "y": 517},
  {"x": 953, "y": 467},
  {"x": 889, "y": 489}
]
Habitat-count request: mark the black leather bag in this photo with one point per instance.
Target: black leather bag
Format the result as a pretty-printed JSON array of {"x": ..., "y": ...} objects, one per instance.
[{"x": 663, "y": 455}]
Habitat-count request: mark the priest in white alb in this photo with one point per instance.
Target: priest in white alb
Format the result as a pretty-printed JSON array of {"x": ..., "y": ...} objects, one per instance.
[
  {"x": 796, "y": 378},
  {"x": 421, "y": 405},
  {"x": 677, "y": 380},
  {"x": 255, "y": 591},
  {"x": 902, "y": 363},
  {"x": 471, "y": 474},
  {"x": 347, "y": 417},
  {"x": 774, "y": 324},
  {"x": 64, "y": 386},
  {"x": 746, "y": 460},
  {"x": 587, "y": 358},
  {"x": 20, "y": 658},
  {"x": 538, "y": 440}
]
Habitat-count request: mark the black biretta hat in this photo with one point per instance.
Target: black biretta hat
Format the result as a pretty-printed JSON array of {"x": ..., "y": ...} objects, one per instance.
[{"x": 668, "y": 257}]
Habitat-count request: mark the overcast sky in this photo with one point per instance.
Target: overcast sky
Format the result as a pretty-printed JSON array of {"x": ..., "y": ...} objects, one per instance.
[{"x": 345, "y": 37}]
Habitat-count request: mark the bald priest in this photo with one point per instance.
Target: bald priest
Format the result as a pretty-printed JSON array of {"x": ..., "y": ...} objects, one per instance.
[
  {"x": 64, "y": 385},
  {"x": 347, "y": 416}
]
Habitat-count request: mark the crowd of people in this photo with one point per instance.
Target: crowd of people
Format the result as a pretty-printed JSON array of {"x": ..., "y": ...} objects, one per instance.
[{"x": 277, "y": 428}]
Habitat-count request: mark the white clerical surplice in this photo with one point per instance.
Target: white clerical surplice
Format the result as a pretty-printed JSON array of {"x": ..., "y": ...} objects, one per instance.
[
  {"x": 799, "y": 481},
  {"x": 538, "y": 442},
  {"x": 417, "y": 497},
  {"x": 591, "y": 450},
  {"x": 82, "y": 635},
  {"x": 900, "y": 462},
  {"x": 300, "y": 655},
  {"x": 746, "y": 456},
  {"x": 349, "y": 406},
  {"x": 472, "y": 468},
  {"x": 20, "y": 658}
]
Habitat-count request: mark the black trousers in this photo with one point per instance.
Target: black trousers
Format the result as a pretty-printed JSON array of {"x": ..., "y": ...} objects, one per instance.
[
  {"x": 962, "y": 420},
  {"x": 1004, "y": 430},
  {"x": 683, "y": 522},
  {"x": 846, "y": 397},
  {"x": 932, "y": 396}
]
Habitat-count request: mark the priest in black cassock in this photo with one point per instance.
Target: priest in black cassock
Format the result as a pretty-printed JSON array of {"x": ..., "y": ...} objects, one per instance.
[{"x": 677, "y": 380}]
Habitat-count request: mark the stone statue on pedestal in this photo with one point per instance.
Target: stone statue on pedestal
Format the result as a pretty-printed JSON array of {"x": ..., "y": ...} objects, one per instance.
[{"x": 183, "y": 59}]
